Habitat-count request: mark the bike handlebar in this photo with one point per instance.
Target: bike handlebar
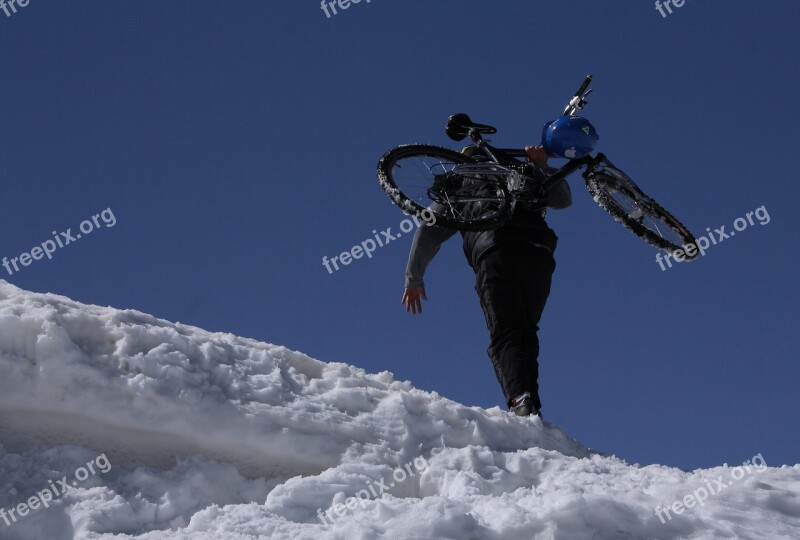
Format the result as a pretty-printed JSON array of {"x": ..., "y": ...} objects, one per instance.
[
  {"x": 577, "y": 102},
  {"x": 584, "y": 85}
]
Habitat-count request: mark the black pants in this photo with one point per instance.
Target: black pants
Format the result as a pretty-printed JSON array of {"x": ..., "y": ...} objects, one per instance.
[{"x": 513, "y": 283}]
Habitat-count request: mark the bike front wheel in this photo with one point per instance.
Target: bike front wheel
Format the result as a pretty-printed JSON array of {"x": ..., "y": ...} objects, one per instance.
[
  {"x": 617, "y": 194},
  {"x": 423, "y": 179}
]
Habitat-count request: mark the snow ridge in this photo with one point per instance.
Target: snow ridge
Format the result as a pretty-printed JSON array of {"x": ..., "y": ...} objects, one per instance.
[{"x": 216, "y": 436}]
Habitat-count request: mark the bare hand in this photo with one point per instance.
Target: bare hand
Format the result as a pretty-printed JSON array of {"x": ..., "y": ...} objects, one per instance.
[
  {"x": 536, "y": 155},
  {"x": 411, "y": 299}
]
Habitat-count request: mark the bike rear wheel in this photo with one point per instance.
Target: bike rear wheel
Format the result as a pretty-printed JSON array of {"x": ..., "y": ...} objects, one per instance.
[
  {"x": 419, "y": 177},
  {"x": 617, "y": 194}
]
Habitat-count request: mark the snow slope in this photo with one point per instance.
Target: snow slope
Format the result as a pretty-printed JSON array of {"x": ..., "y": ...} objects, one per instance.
[{"x": 162, "y": 430}]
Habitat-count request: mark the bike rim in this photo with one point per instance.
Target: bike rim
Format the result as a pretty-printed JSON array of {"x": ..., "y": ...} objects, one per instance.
[{"x": 640, "y": 209}]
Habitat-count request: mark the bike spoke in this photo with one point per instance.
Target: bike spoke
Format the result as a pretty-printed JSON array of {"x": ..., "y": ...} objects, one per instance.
[
  {"x": 416, "y": 176},
  {"x": 420, "y": 177}
]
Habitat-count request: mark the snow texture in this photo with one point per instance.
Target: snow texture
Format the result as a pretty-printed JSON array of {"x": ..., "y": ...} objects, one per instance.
[{"x": 166, "y": 431}]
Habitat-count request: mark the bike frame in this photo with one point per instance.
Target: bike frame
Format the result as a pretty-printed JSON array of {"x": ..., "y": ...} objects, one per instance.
[
  {"x": 505, "y": 162},
  {"x": 505, "y": 157}
]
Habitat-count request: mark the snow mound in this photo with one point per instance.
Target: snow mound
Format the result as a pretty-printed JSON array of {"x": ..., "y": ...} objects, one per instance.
[{"x": 141, "y": 428}]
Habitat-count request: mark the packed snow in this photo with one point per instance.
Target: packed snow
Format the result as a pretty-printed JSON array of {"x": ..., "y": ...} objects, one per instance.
[{"x": 116, "y": 424}]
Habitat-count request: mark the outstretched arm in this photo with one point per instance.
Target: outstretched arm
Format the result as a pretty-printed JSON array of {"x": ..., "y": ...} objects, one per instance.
[{"x": 427, "y": 241}]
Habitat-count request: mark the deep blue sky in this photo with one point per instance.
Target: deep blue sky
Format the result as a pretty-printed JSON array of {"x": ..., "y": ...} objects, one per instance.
[{"x": 236, "y": 145}]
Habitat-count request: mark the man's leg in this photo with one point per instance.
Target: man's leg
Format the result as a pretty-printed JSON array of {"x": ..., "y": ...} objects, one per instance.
[
  {"x": 513, "y": 283},
  {"x": 500, "y": 300},
  {"x": 536, "y": 278}
]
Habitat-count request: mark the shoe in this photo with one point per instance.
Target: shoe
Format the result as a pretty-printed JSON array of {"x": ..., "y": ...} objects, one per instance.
[{"x": 522, "y": 405}]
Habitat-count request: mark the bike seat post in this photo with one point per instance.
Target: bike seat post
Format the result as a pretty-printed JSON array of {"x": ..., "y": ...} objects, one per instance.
[{"x": 476, "y": 137}]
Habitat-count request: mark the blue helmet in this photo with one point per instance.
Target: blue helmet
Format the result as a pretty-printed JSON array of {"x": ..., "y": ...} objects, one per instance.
[{"x": 569, "y": 137}]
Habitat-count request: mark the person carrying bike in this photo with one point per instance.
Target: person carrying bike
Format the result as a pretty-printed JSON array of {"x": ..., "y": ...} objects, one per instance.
[{"x": 513, "y": 267}]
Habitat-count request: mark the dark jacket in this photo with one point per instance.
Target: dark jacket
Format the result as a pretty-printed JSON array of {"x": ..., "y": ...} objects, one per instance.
[{"x": 527, "y": 225}]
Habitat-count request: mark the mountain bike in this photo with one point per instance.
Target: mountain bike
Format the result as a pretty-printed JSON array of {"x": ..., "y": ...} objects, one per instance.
[{"x": 480, "y": 192}]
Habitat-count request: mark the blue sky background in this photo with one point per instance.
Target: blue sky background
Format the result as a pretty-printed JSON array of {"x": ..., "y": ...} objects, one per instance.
[{"x": 236, "y": 144}]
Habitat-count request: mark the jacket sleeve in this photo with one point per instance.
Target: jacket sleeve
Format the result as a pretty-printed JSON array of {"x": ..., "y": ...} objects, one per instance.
[
  {"x": 559, "y": 196},
  {"x": 427, "y": 241}
]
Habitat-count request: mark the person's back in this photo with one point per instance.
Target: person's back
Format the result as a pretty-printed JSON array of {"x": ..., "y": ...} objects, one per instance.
[{"x": 527, "y": 224}]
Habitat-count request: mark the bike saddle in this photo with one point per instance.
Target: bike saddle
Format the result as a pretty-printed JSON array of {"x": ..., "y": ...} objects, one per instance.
[{"x": 458, "y": 126}]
